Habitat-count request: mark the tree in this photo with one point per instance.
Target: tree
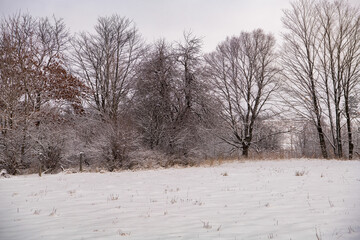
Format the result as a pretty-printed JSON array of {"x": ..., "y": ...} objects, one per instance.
[
  {"x": 171, "y": 100},
  {"x": 339, "y": 58},
  {"x": 32, "y": 75},
  {"x": 244, "y": 76},
  {"x": 155, "y": 97},
  {"x": 321, "y": 62},
  {"x": 194, "y": 101},
  {"x": 299, "y": 61},
  {"x": 107, "y": 60}
]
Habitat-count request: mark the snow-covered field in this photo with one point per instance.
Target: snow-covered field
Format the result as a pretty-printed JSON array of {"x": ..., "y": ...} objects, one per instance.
[{"x": 239, "y": 200}]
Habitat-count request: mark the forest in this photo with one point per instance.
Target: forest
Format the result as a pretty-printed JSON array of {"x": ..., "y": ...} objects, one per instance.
[{"x": 108, "y": 99}]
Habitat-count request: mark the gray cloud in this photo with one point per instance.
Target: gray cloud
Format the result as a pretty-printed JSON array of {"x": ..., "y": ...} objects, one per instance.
[{"x": 211, "y": 19}]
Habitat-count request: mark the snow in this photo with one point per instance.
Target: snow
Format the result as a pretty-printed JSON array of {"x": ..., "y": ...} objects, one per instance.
[{"x": 238, "y": 200}]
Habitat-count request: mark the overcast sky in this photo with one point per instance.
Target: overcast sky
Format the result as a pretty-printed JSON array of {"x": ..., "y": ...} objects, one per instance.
[{"x": 211, "y": 19}]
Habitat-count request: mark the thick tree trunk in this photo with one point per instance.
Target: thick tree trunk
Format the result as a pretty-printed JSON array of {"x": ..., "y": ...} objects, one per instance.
[
  {"x": 318, "y": 118},
  {"x": 322, "y": 141},
  {"x": 245, "y": 150},
  {"x": 319, "y": 129}
]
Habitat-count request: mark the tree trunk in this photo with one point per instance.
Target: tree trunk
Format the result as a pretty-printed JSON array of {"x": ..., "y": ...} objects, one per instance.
[
  {"x": 338, "y": 135},
  {"x": 322, "y": 140},
  {"x": 245, "y": 149},
  {"x": 318, "y": 118},
  {"x": 348, "y": 126}
]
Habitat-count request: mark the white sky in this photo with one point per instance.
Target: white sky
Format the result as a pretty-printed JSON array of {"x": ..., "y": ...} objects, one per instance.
[{"x": 213, "y": 20}]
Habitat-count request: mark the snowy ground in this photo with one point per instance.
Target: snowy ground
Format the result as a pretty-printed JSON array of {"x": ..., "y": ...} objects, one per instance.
[{"x": 251, "y": 200}]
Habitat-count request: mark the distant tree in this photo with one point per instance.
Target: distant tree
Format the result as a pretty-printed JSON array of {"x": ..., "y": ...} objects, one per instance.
[
  {"x": 321, "y": 62},
  {"x": 156, "y": 96},
  {"x": 33, "y": 74},
  {"x": 172, "y": 104},
  {"x": 244, "y": 75},
  {"x": 340, "y": 64},
  {"x": 106, "y": 60},
  {"x": 299, "y": 61},
  {"x": 195, "y": 105}
]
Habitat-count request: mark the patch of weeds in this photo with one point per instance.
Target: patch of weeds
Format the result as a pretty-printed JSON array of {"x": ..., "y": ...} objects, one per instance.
[
  {"x": 173, "y": 200},
  {"x": 225, "y": 174},
  {"x": 350, "y": 230},
  {"x": 318, "y": 234},
  {"x": 123, "y": 234},
  {"x": 37, "y": 212},
  {"x": 71, "y": 192},
  {"x": 198, "y": 202},
  {"x": 331, "y": 203},
  {"x": 53, "y": 212},
  {"x": 113, "y": 197},
  {"x": 300, "y": 173},
  {"x": 206, "y": 225}
]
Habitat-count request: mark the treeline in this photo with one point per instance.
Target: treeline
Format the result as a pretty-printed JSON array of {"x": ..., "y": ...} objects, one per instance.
[{"x": 120, "y": 102}]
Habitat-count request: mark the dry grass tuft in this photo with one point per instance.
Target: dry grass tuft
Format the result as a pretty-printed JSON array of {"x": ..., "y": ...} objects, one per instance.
[
  {"x": 206, "y": 225},
  {"x": 113, "y": 197},
  {"x": 53, "y": 212},
  {"x": 299, "y": 173}
]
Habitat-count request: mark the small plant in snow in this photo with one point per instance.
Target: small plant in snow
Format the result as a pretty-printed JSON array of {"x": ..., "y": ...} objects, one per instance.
[
  {"x": 225, "y": 174},
  {"x": 113, "y": 197},
  {"x": 300, "y": 173},
  {"x": 207, "y": 225},
  {"x": 37, "y": 212},
  {"x": 173, "y": 200},
  {"x": 123, "y": 234},
  {"x": 318, "y": 234},
  {"x": 72, "y": 192},
  {"x": 218, "y": 229},
  {"x": 53, "y": 212},
  {"x": 199, "y": 203}
]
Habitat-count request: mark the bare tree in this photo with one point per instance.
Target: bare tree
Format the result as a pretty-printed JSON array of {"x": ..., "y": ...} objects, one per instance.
[
  {"x": 321, "y": 61},
  {"x": 189, "y": 56},
  {"x": 340, "y": 61},
  {"x": 244, "y": 76},
  {"x": 156, "y": 96},
  {"x": 106, "y": 60},
  {"x": 299, "y": 60},
  {"x": 194, "y": 105},
  {"x": 171, "y": 99},
  {"x": 32, "y": 74}
]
